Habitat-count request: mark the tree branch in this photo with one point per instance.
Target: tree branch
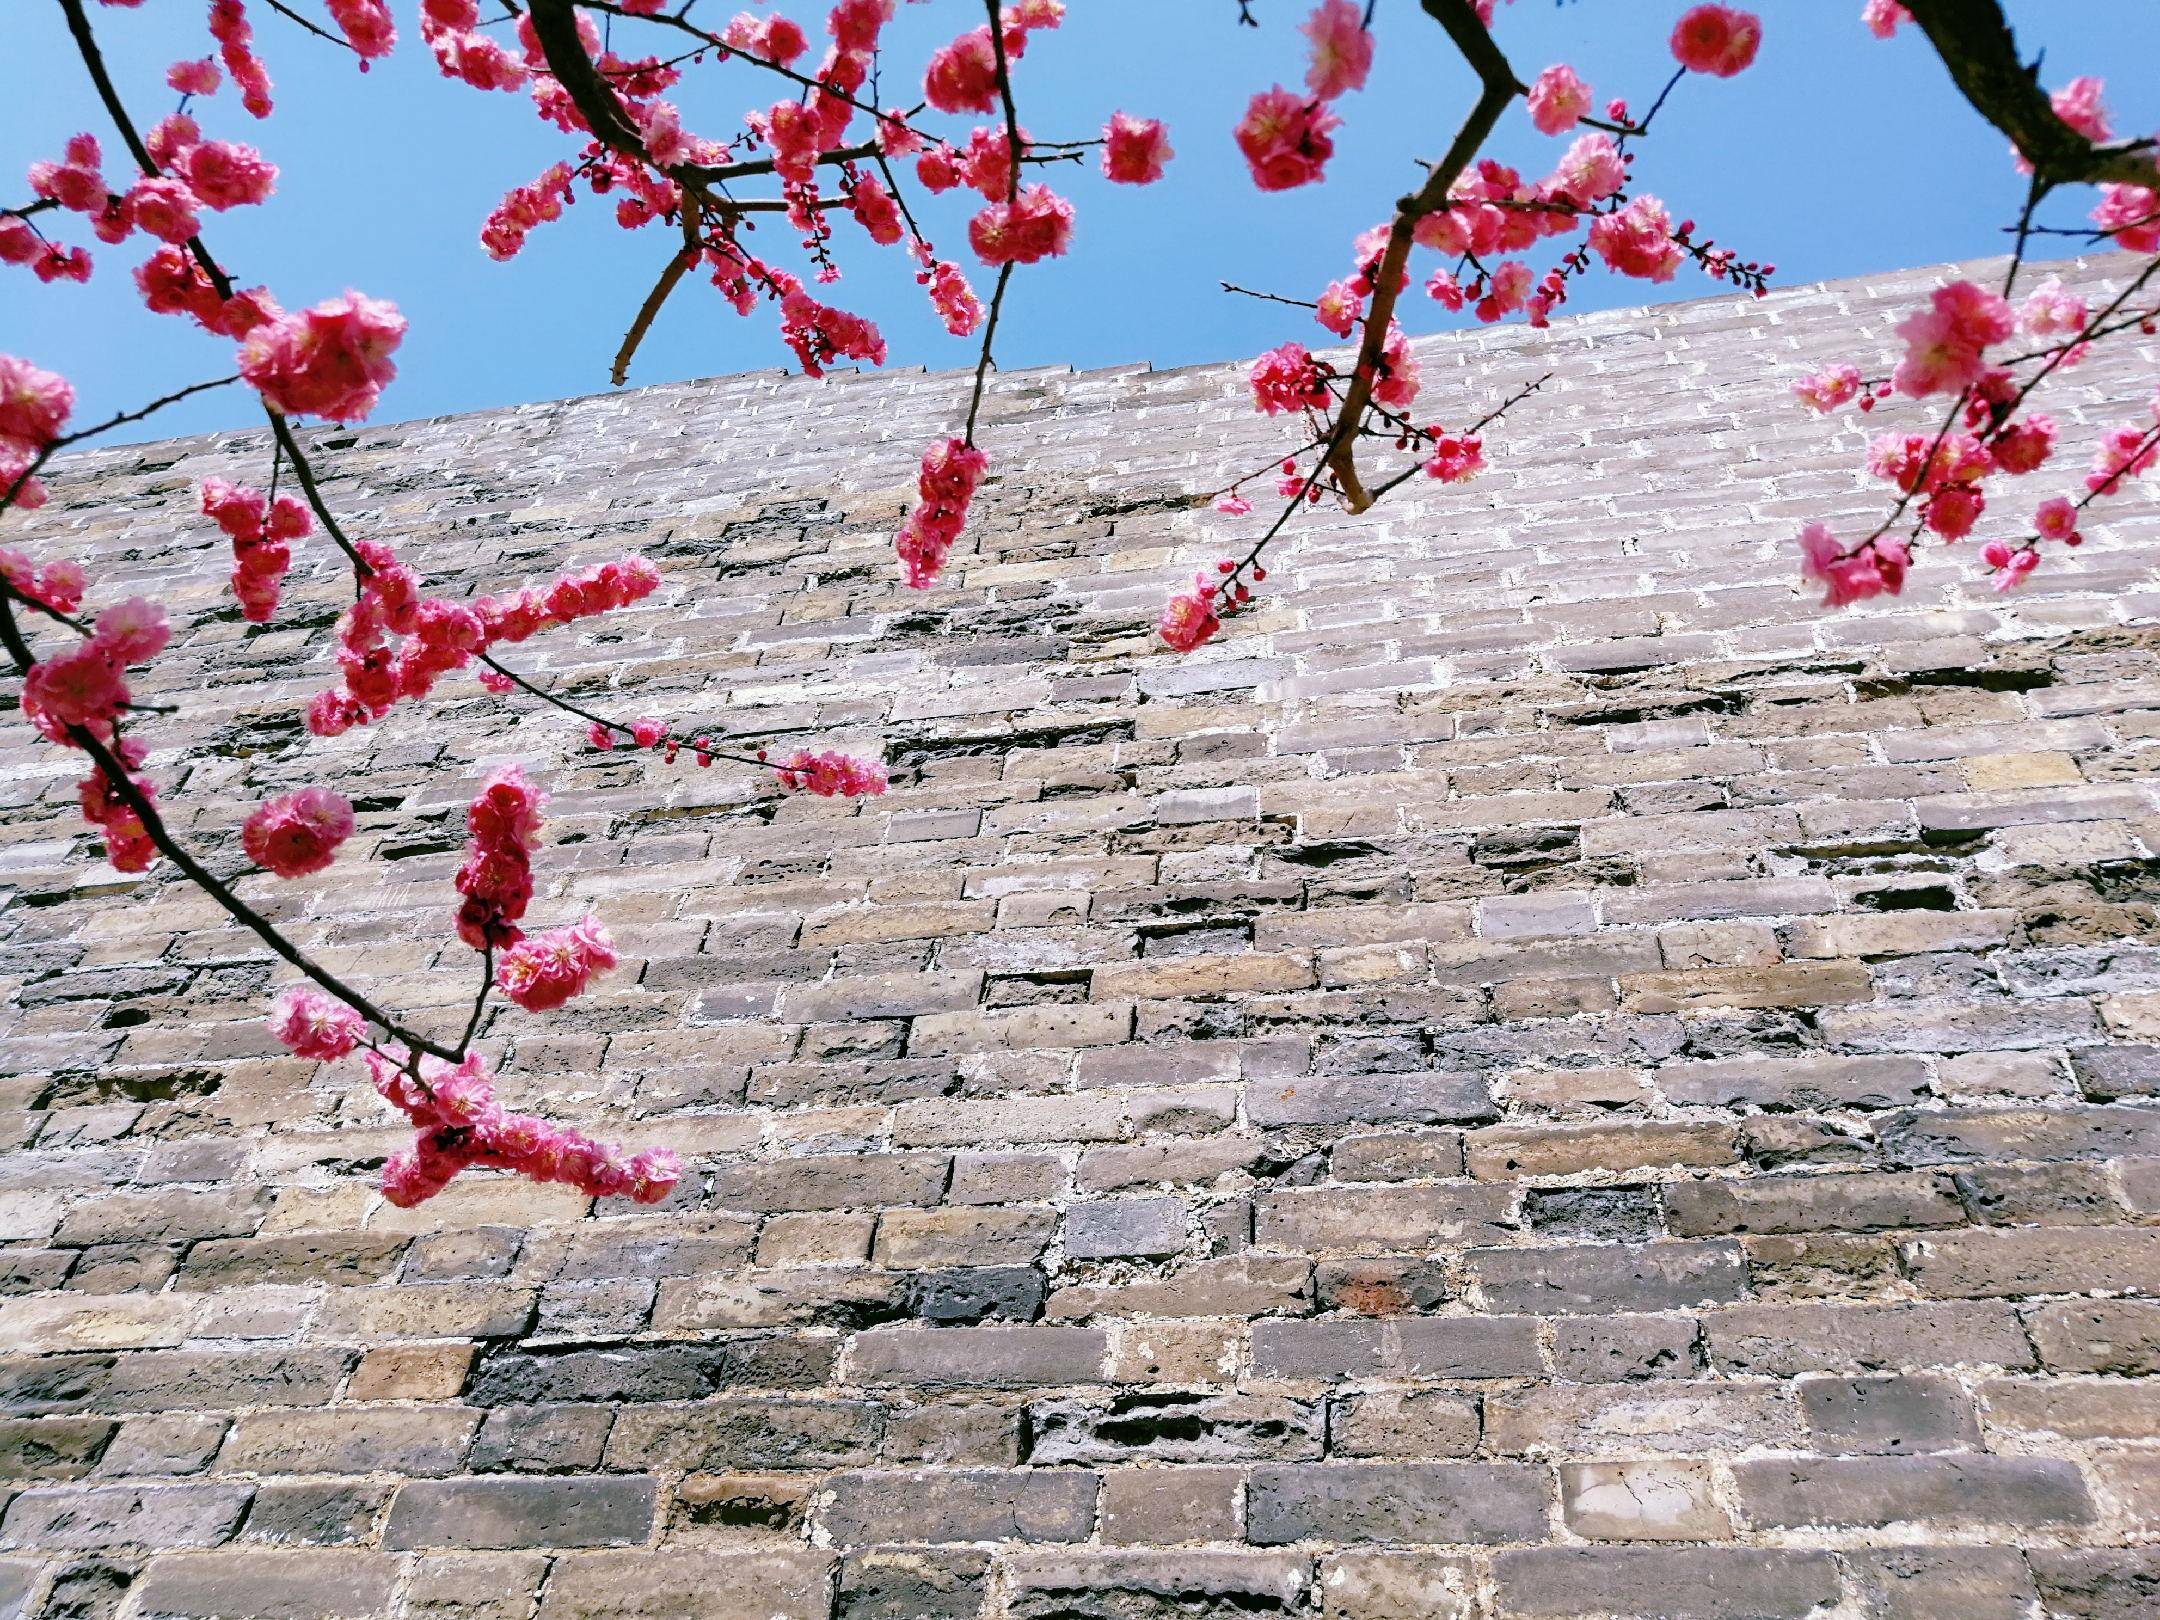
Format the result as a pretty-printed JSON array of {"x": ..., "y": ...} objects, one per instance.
[{"x": 1974, "y": 41}]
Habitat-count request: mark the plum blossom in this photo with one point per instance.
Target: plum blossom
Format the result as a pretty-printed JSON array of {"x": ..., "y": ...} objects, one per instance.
[
  {"x": 1590, "y": 171},
  {"x": 1289, "y": 378},
  {"x": 163, "y": 207},
  {"x": 311, "y": 1025},
  {"x": 1718, "y": 40},
  {"x": 1827, "y": 389},
  {"x": 2050, "y": 310},
  {"x": 226, "y": 174},
  {"x": 1558, "y": 100},
  {"x": 58, "y": 584},
  {"x": 777, "y": 39},
  {"x": 2130, "y": 215},
  {"x": 831, "y": 774},
  {"x": 128, "y": 845},
  {"x": 229, "y": 27},
  {"x": 34, "y": 403},
  {"x": 1339, "y": 308},
  {"x": 458, "y": 1124},
  {"x": 1455, "y": 459},
  {"x": 1285, "y": 139},
  {"x": 542, "y": 971},
  {"x": 2078, "y": 105},
  {"x": 945, "y": 486},
  {"x": 503, "y": 821},
  {"x": 366, "y": 26},
  {"x": 1638, "y": 241},
  {"x": 198, "y": 77},
  {"x": 331, "y": 361},
  {"x": 1189, "y": 618},
  {"x": 1035, "y": 225},
  {"x": 1882, "y": 17},
  {"x": 1945, "y": 343},
  {"x": 962, "y": 76},
  {"x": 2056, "y": 518},
  {"x": 1876, "y": 569},
  {"x": 1135, "y": 149},
  {"x": 1342, "y": 49},
  {"x": 297, "y": 833}
]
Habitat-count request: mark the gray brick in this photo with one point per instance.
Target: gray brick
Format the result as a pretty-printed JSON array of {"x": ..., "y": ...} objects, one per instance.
[
  {"x": 1940, "y": 1491},
  {"x": 961, "y": 1505},
  {"x": 1447, "y": 1503},
  {"x": 499, "y": 1513}
]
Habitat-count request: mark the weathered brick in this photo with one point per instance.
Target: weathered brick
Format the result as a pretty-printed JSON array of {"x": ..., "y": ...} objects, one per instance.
[
  {"x": 63, "y": 1517},
  {"x": 505, "y": 1513},
  {"x": 1609, "y": 1277},
  {"x": 1782, "y": 1340},
  {"x": 1946, "y": 1490},
  {"x": 2035, "y": 1260},
  {"x": 1661, "y": 1417},
  {"x": 1812, "y": 1203},
  {"x": 1642, "y": 1501},
  {"x": 260, "y": 1585},
  {"x": 1344, "y": 1220},
  {"x": 1666, "y": 1583},
  {"x": 762, "y": 1583},
  {"x": 1447, "y": 1503},
  {"x": 1009, "y": 1356},
  {"x": 959, "y": 1505}
]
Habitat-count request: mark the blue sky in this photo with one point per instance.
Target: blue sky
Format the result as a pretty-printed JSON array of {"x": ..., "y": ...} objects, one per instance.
[{"x": 1835, "y": 155}]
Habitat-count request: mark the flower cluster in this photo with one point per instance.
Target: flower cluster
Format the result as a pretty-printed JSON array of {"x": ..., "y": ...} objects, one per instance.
[
  {"x": 542, "y": 971},
  {"x": 1874, "y": 569},
  {"x": 1290, "y": 378},
  {"x": 496, "y": 879},
  {"x": 57, "y": 585},
  {"x": 945, "y": 486},
  {"x": 458, "y": 1125},
  {"x": 1286, "y": 139},
  {"x": 86, "y": 686},
  {"x": 311, "y": 1025},
  {"x": 259, "y": 529},
  {"x": 831, "y": 774},
  {"x": 569, "y": 597},
  {"x": 1717, "y": 40},
  {"x": 1135, "y": 149},
  {"x": 297, "y": 833},
  {"x": 1035, "y": 225},
  {"x": 331, "y": 361},
  {"x": 34, "y": 407}
]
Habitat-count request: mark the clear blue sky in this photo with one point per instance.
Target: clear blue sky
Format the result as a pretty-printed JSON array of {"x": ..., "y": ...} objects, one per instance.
[{"x": 1836, "y": 154}]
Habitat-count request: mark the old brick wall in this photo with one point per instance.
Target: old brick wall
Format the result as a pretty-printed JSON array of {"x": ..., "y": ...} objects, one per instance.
[{"x": 1539, "y": 1077}]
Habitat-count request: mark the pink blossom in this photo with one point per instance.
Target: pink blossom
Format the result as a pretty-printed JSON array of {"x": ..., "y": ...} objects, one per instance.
[
  {"x": 1232, "y": 505},
  {"x": 1456, "y": 459},
  {"x": 199, "y": 77},
  {"x": 1338, "y": 308},
  {"x": 1395, "y": 386},
  {"x": 831, "y": 774},
  {"x": 2050, "y": 310},
  {"x": 1033, "y": 226},
  {"x": 229, "y": 27},
  {"x": 2126, "y": 452},
  {"x": 1876, "y": 569},
  {"x": 945, "y": 485},
  {"x": 496, "y": 879},
  {"x": 1285, "y": 139},
  {"x": 59, "y": 584},
  {"x": 62, "y": 264},
  {"x": 1637, "y": 241},
  {"x": 773, "y": 39},
  {"x": 225, "y": 174},
  {"x": 1135, "y": 149},
  {"x": 952, "y": 297},
  {"x": 1188, "y": 620},
  {"x": 331, "y": 361},
  {"x": 163, "y": 207},
  {"x": 820, "y": 334},
  {"x": 366, "y": 26},
  {"x": 522, "y": 208},
  {"x": 311, "y": 1025},
  {"x": 1719, "y": 40},
  {"x": 1506, "y": 291},
  {"x": 1342, "y": 49},
  {"x": 19, "y": 244},
  {"x": 75, "y": 183},
  {"x": 2078, "y": 105},
  {"x": 128, "y": 845},
  {"x": 134, "y": 632},
  {"x": 874, "y": 210},
  {"x": 2131, "y": 215},
  {"x": 1288, "y": 378},
  {"x": 2023, "y": 446},
  {"x": 80, "y": 687},
  {"x": 1945, "y": 343},
  {"x": 571, "y": 596},
  {"x": 1558, "y": 100},
  {"x": 297, "y": 833},
  {"x": 170, "y": 137},
  {"x": 1828, "y": 388},
  {"x": 2056, "y": 518},
  {"x": 1882, "y": 17},
  {"x": 962, "y": 76},
  {"x": 542, "y": 971},
  {"x": 34, "y": 404}
]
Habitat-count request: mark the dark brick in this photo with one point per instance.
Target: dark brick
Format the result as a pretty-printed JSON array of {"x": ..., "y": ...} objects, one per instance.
[
  {"x": 1943, "y": 1490},
  {"x": 1447, "y": 1503},
  {"x": 962, "y": 1505},
  {"x": 646, "y": 1371},
  {"x": 1175, "y": 1428},
  {"x": 1888, "y": 1416},
  {"x": 1665, "y": 1583},
  {"x": 1597, "y": 1279},
  {"x": 598, "y": 1511}
]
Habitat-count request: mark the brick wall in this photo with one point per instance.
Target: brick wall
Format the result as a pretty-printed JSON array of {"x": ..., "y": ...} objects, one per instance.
[{"x": 1539, "y": 1077}]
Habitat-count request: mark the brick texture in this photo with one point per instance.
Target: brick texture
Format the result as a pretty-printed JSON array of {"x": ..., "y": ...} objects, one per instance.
[{"x": 1538, "y": 1076}]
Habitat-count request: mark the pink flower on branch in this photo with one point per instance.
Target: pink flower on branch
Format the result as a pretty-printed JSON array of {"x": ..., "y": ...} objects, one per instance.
[
  {"x": 1883, "y": 17},
  {"x": 1945, "y": 343},
  {"x": 1342, "y": 49},
  {"x": 1135, "y": 149},
  {"x": 831, "y": 775},
  {"x": 496, "y": 879},
  {"x": 1285, "y": 139},
  {"x": 332, "y": 361},
  {"x": 1558, "y": 100},
  {"x": 297, "y": 833},
  {"x": 542, "y": 971},
  {"x": 311, "y": 1025},
  {"x": 945, "y": 486},
  {"x": 1718, "y": 40},
  {"x": 1875, "y": 569}
]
